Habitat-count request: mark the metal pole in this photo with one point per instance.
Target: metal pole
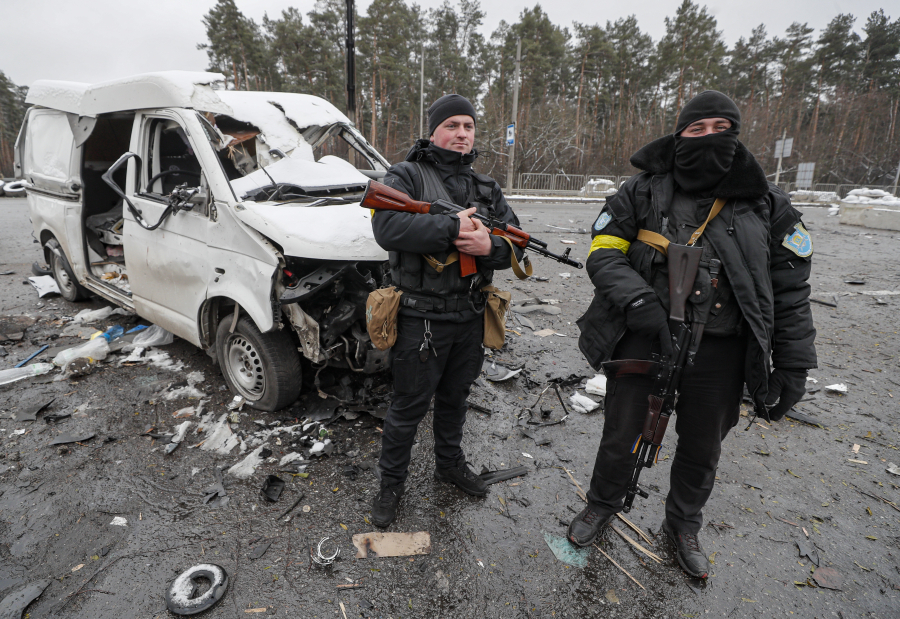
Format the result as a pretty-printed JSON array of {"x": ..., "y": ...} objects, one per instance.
[
  {"x": 515, "y": 113},
  {"x": 896, "y": 178},
  {"x": 422, "y": 95},
  {"x": 351, "y": 64},
  {"x": 780, "y": 155}
]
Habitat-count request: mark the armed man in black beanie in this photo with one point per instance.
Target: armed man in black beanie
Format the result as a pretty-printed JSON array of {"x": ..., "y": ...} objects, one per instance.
[
  {"x": 440, "y": 326},
  {"x": 759, "y": 318}
]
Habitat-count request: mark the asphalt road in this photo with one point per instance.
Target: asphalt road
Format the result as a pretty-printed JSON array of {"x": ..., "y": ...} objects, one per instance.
[{"x": 777, "y": 484}]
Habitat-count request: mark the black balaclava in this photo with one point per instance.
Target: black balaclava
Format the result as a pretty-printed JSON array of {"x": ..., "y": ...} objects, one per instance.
[
  {"x": 701, "y": 163},
  {"x": 447, "y": 106}
]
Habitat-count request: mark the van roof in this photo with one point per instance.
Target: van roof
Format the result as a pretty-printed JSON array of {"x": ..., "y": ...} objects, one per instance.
[{"x": 180, "y": 89}]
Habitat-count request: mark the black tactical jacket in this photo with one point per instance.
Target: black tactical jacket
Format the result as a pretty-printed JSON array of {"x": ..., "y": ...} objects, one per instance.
[
  {"x": 768, "y": 277},
  {"x": 406, "y": 236}
]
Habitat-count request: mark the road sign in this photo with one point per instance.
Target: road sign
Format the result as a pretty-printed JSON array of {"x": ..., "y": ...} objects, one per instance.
[
  {"x": 805, "y": 175},
  {"x": 510, "y": 134},
  {"x": 787, "y": 146}
]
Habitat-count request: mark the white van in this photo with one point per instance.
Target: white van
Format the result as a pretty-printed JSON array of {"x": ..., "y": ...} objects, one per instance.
[{"x": 232, "y": 219}]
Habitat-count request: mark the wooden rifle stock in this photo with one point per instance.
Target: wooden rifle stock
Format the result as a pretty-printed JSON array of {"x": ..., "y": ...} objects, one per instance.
[{"x": 380, "y": 197}]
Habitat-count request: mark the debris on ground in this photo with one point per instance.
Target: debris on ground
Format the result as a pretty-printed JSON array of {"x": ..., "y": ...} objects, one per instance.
[
  {"x": 246, "y": 467},
  {"x": 182, "y": 598},
  {"x": 119, "y": 521},
  {"x": 828, "y": 578},
  {"x": 13, "y": 374},
  {"x": 564, "y": 551},
  {"x": 322, "y": 448},
  {"x": 321, "y": 556},
  {"x": 28, "y": 411},
  {"x": 392, "y": 544},
  {"x": 259, "y": 550},
  {"x": 497, "y": 373},
  {"x": 66, "y": 437},
  {"x": 582, "y": 404},
  {"x": 596, "y": 385},
  {"x": 216, "y": 491},
  {"x": 272, "y": 488},
  {"x": 792, "y": 414},
  {"x": 893, "y": 469},
  {"x": 806, "y": 549},
  {"x": 180, "y": 432},
  {"x": 219, "y": 438},
  {"x": 837, "y": 388},
  {"x": 44, "y": 284},
  {"x": 87, "y": 316},
  {"x": 13, "y": 605}
]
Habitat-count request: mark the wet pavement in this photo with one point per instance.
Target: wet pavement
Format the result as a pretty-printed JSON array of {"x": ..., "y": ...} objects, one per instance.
[{"x": 777, "y": 484}]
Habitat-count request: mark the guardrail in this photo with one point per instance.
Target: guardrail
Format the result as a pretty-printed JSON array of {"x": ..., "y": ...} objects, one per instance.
[{"x": 600, "y": 186}]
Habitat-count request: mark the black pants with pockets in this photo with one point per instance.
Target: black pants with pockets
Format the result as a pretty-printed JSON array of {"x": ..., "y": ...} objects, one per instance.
[
  {"x": 708, "y": 407},
  {"x": 452, "y": 366}
]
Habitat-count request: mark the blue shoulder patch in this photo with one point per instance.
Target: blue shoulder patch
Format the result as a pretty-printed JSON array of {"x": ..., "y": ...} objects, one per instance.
[
  {"x": 602, "y": 221},
  {"x": 799, "y": 241}
]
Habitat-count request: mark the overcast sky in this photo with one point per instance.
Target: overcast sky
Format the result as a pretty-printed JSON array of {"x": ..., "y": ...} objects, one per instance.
[{"x": 96, "y": 40}]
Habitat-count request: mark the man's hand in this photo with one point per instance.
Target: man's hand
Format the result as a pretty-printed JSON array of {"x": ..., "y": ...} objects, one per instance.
[
  {"x": 465, "y": 220},
  {"x": 786, "y": 387},
  {"x": 476, "y": 242},
  {"x": 646, "y": 316}
]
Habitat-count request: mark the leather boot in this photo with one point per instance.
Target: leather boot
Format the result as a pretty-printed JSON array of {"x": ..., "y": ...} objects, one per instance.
[
  {"x": 690, "y": 554},
  {"x": 384, "y": 507},
  {"x": 586, "y": 526},
  {"x": 463, "y": 477}
]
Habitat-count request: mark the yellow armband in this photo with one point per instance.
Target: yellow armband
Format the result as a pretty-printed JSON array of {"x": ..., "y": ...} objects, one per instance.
[{"x": 602, "y": 241}]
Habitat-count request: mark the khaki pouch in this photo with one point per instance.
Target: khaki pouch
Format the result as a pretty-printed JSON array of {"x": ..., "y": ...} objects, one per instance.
[
  {"x": 496, "y": 306},
  {"x": 382, "y": 307}
]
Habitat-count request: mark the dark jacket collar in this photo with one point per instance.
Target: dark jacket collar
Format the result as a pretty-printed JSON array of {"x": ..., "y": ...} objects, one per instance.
[
  {"x": 425, "y": 150},
  {"x": 746, "y": 178}
]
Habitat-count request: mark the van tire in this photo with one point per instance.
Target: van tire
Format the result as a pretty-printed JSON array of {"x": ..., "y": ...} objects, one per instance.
[
  {"x": 264, "y": 368},
  {"x": 68, "y": 285}
]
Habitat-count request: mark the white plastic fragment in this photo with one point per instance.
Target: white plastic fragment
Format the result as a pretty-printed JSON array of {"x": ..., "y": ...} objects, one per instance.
[
  {"x": 246, "y": 467},
  {"x": 597, "y": 385},
  {"x": 220, "y": 438},
  {"x": 44, "y": 284},
  {"x": 812, "y": 380},
  {"x": 152, "y": 336},
  {"x": 180, "y": 431},
  {"x": 89, "y": 316},
  {"x": 893, "y": 469},
  {"x": 582, "y": 404},
  {"x": 119, "y": 521},
  {"x": 527, "y": 455},
  {"x": 837, "y": 388},
  {"x": 287, "y": 459}
]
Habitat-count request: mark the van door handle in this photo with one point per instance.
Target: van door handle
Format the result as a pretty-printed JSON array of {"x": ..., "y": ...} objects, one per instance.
[{"x": 220, "y": 271}]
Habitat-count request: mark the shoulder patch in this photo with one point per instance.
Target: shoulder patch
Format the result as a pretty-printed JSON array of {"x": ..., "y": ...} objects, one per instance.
[
  {"x": 799, "y": 241},
  {"x": 602, "y": 221}
]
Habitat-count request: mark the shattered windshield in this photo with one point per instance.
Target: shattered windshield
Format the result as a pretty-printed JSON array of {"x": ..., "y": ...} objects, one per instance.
[{"x": 268, "y": 156}]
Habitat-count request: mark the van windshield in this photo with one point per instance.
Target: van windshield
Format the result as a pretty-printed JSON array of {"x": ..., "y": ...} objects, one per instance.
[{"x": 268, "y": 159}]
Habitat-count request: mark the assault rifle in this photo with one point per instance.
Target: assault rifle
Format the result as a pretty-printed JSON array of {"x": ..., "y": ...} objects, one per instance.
[
  {"x": 684, "y": 262},
  {"x": 380, "y": 197}
]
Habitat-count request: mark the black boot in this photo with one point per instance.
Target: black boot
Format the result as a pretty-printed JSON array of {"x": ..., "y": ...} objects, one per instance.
[
  {"x": 690, "y": 554},
  {"x": 384, "y": 507},
  {"x": 586, "y": 526},
  {"x": 463, "y": 477}
]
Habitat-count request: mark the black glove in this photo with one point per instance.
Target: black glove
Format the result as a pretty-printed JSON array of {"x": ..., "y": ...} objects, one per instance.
[
  {"x": 646, "y": 316},
  {"x": 785, "y": 387}
]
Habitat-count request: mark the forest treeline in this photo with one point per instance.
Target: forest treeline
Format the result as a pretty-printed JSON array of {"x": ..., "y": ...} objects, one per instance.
[{"x": 590, "y": 94}]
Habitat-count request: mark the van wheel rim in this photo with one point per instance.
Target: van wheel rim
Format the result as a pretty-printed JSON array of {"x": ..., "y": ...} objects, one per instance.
[
  {"x": 60, "y": 275},
  {"x": 245, "y": 367}
]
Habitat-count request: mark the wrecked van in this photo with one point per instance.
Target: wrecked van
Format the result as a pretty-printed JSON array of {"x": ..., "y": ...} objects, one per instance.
[{"x": 230, "y": 218}]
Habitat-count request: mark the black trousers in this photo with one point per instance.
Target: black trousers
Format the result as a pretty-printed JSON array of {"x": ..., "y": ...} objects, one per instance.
[
  {"x": 708, "y": 407},
  {"x": 447, "y": 374}
]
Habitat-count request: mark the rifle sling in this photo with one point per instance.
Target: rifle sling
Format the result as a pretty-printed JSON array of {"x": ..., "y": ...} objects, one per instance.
[{"x": 661, "y": 243}]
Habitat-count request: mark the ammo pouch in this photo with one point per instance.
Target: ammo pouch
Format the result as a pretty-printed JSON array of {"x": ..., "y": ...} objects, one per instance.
[
  {"x": 496, "y": 306},
  {"x": 381, "y": 316}
]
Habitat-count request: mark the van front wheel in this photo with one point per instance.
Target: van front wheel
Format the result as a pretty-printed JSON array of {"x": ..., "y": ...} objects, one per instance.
[{"x": 264, "y": 368}]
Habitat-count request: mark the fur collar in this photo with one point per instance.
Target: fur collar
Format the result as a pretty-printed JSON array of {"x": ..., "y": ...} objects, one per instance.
[{"x": 746, "y": 178}]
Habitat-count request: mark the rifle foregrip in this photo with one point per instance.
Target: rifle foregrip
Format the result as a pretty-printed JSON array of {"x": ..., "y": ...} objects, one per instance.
[
  {"x": 656, "y": 423},
  {"x": 467, "y": 264}
]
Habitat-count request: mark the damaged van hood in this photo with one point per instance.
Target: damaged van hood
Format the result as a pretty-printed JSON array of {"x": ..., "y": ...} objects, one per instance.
[
  {"x": 331, "y": 232},
  {"x": 328, "y": 173}
]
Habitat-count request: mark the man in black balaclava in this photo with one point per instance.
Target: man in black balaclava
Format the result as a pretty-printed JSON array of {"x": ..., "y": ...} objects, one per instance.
[
  {"x": 755, "y": 264},
  {"x": 440, "y": 325}
]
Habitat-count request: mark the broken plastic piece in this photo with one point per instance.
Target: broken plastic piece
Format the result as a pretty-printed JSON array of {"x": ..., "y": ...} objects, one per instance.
[
  {"x": 497, "y": 373},
  {"x": 64, "y": 438},
  {"x": 119, "y": 521},
  {"x": 837, "y": 388},
  {"x": 597, "y": 385},
  {"x": 583, "y": 404},
  {"x": 808, "y": 550},
  {"x": 14, "y": 374},
  {"x": 492, "y": 477},
  {"x": 45, "y": 284},
  {"x": 893, "y": 469},
  {"x": 259, "y": 550},
  {"x": 236, "y": 403},
  {"x": 564, "y": 551},
  {"x": 180, "y": 595},
  {"x": 29, "y": 411},
  {"x": 152, "y": 336},
  {"x": 272, "y": 488},
  {"x": 392, "y": 544}
]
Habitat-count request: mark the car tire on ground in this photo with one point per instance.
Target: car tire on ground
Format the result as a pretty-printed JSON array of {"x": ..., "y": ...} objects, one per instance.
[
  {"x": 68, "y": 285},
  {"x": 264, "y": 368}
]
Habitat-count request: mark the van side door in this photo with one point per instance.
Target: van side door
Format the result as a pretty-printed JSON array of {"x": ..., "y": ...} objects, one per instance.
[{"x": 168, "y": 266}]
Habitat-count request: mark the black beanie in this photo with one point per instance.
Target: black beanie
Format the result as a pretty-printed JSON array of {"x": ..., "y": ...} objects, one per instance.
[
  {"x": 709, "y": 104},
  {"x": 447, "y": 106}
]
